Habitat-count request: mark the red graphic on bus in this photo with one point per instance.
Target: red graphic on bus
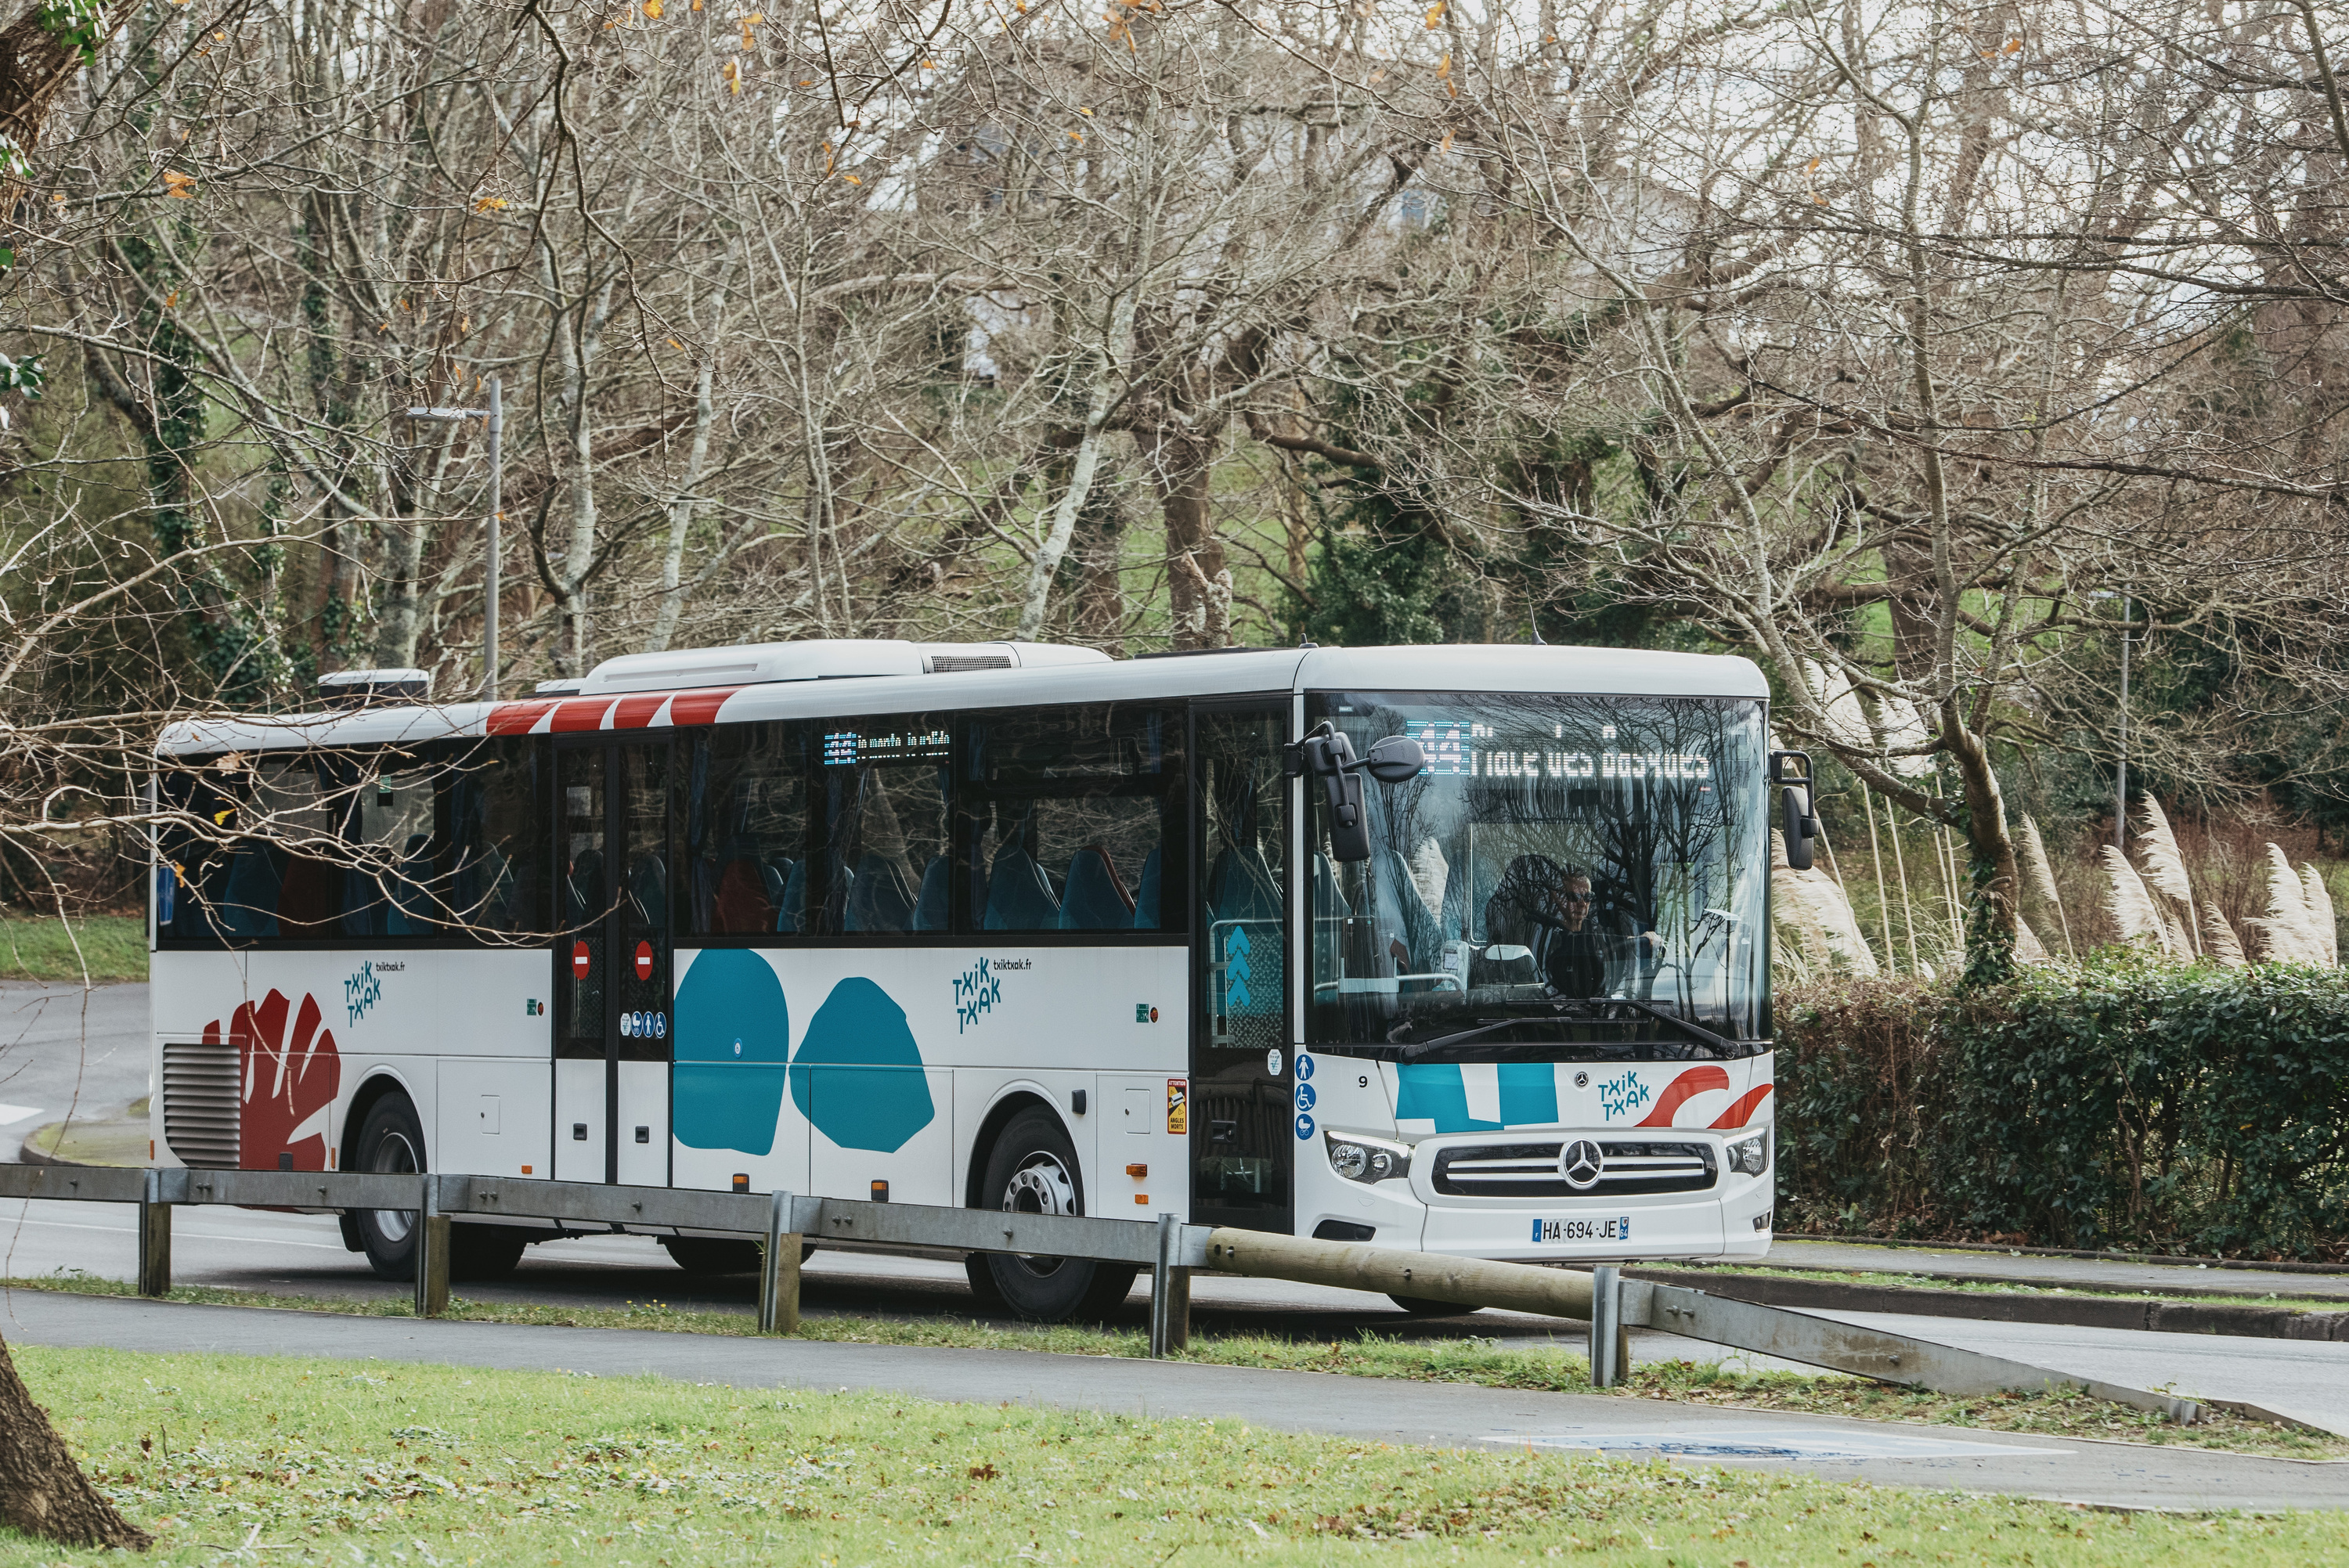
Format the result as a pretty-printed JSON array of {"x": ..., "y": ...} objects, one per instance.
[
  {"x": 643, "y": 960},
  {"x": 1682, "y": 1090},
  {"x": 580, "y": 961},
  {"x": 287, "y": 1083}
]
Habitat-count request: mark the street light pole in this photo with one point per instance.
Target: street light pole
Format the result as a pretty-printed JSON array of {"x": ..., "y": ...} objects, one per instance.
[
  {"x": 2120, "y": 777},
  {"x": 495, "y": 414},
  {"x": 497, "y": 517}
]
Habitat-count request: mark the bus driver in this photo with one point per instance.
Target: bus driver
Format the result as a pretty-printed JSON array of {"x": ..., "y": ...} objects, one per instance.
[{"x": 1579, "y": 952}]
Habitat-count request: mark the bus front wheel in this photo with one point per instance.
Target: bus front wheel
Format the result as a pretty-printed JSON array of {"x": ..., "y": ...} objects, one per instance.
[{"x": 1032, "y": 1168}]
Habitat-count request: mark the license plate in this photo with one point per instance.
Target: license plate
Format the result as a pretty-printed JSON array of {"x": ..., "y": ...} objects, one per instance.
[{"x": 1618, "y": 1229}]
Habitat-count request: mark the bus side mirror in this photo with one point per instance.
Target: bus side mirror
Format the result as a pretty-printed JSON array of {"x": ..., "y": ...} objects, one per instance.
[
  {"x": 1329, "y": 755},
  {"x": 1397, "y": 760},
  {"x": 1790, "y": 772}
]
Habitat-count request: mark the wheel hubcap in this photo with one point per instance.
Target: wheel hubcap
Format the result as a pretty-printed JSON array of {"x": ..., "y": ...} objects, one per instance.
[
  {"x": 1040, "y": 1186},
  {"x": 394, "y": 1155}
]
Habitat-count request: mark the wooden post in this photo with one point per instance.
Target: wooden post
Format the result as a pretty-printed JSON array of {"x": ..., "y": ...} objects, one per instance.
[
  {"x": 1170, "y": 1291},
  {"x": 779, "y": 1272},
  {"x": 431, "y": 1253},
  {"x": 154, "y": 1239}
]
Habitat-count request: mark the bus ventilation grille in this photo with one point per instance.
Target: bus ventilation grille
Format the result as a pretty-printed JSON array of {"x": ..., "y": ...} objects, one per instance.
[
  {"x": 200, "y": 1114},
  {"x": 1627, "y": 1169},
  {"x": 954, "y": 663}
]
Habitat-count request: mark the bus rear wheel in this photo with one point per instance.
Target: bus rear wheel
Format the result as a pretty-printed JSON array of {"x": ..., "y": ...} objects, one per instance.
[
  {"x": 1032, "y": 1168},
  {"x": 390, "y": 1142}
]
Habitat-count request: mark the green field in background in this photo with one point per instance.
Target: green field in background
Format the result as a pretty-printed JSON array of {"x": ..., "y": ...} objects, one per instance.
[{"x": 113, "y": 948}]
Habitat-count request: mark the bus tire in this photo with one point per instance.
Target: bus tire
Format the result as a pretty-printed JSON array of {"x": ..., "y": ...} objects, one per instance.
[
  {"x": 1420, "y": 1306},
  {"x": 485, "y": 1251},
  {"x": 391, "y": 1140},
  {"x": 1032, "y": 1168}
]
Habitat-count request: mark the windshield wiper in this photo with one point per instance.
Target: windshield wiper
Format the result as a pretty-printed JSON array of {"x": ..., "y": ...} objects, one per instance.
[
  {"x": 1697, "y": 1031},
  {"x": 1487, "y": 1026}
]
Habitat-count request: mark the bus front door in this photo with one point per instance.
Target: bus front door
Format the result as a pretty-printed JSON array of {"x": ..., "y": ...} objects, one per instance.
[
  {"x": 612, "y": 1042},
  {"x": 1243, "y": 1134}
]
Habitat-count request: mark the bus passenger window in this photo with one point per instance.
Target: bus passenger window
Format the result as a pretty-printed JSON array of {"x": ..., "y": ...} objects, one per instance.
[
  {"x": 492, "y": 802},
  {"x": 1071, "y": 816},
  {"x": 745, "y": 830},
  {"x": 885, "y": 784},
  {"x": 387, "y": 885}
]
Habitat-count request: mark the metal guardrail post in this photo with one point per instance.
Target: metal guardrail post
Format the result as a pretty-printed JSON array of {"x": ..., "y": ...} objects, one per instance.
[
  {"x": 1170, "y": 1291},
  {"x": 154, "y": 1238},
  {"x": 778, "y": 1270},
  {"x": 431, "y": 1253},
  {"x": 1606, "y": 1334}
]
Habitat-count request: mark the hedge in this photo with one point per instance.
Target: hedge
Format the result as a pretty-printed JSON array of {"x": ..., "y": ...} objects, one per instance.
[{"x": 2117, "y": 1102}]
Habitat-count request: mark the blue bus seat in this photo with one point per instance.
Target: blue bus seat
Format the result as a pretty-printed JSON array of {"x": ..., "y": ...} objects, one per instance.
[{"x": 1095, "y": 899}]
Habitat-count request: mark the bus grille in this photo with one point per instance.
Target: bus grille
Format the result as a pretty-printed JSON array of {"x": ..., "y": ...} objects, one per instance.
[
  {"x": 199, "y": 1102},
  {"x": 1530, "y": 1171}
]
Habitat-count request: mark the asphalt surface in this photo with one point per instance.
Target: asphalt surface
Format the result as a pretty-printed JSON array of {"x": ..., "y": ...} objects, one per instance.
[
  {"x": 69, "y": 1054},
  {"x": 1441, "y": 1414},
  {"x": 2071, "y": 1274}
]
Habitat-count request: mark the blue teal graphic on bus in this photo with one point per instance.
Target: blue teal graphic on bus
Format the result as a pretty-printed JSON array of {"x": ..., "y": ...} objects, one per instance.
[
  {"x": 858, "y": 1075},
  {"x": 1236, "y": 970},
  {"x": 1305, "y": 1096},
  {"x": 1438, "y": 1092},
  {"x": 733, "y": 1039},
  {"x": 1304, "y": 1125}
]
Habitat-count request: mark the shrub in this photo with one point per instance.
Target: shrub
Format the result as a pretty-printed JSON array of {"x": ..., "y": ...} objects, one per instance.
[{"x": 2118, "y": 1101}]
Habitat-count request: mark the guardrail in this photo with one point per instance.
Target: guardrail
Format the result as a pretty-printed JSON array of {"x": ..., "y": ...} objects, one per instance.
[{"x": 1171, "y": 1249}]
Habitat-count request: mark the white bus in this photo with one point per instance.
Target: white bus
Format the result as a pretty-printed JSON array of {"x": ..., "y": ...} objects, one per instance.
[{"x": 1461, "y": 949}]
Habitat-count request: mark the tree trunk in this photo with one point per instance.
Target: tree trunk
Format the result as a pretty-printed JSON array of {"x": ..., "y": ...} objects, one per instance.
[
  {"x": 1198, "y": 582},
  {"x": 42, "y": 1492}
]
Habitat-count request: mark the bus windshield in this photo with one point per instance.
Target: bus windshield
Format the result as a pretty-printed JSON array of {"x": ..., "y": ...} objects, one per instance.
[{"x": 1570, "y": 877}]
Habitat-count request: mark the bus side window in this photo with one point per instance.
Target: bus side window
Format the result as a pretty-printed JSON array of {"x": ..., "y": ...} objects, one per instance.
[
  {"x": 1071, "y": 816},
  {"x": 882, "y": 791},
  {"x": 387, "y": 806},
  {"x": 489, "y": 878},
  {"x": 197, "y": 850},
  {"x": 745, "y": 830}
]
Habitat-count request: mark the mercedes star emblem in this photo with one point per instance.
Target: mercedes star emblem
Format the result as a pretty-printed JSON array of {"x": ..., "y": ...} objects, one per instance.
[{"x": 1580, "y": 1164}]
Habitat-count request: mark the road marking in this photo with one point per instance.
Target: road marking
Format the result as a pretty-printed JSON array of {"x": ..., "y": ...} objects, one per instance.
[
  {"x": 182, "y": 1235},
  {"x": 9, "y": 1113},
  {"x": 1769, "y": 1443}
]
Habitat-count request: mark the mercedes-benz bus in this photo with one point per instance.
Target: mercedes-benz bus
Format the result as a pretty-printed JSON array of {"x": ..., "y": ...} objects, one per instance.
[{"x": 1456, "y": 949}]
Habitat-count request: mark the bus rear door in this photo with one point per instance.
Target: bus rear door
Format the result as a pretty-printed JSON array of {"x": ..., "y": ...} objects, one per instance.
[{"x": 613, "y": 1037}]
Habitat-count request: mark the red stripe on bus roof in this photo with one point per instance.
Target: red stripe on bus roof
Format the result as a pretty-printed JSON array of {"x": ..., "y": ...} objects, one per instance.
[
  {"x": 699, "y": 706},
  {"x": 580, "y": 713},
  {"x": 637, "y": 712},
  {"x": 516, "y": 717}
]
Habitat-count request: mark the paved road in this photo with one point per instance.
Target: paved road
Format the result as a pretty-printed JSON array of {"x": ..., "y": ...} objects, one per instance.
[
  {"x": 2079, "y": 1274},
  {"x": 1443, "y": 1415},
  {"x": 303, "y": 1255},
  {"x": 66, "y": 1053}
]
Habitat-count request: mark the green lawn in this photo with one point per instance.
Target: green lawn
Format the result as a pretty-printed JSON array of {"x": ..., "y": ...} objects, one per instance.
[
  {"x": 269, "y": 1460},
  {"x": 113, "y": 947}
]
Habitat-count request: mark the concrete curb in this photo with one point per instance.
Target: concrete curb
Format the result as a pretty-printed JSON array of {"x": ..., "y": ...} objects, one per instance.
[
  {"x": 41, "y": 1145},
  {"x": 2079, "y": 1311}
]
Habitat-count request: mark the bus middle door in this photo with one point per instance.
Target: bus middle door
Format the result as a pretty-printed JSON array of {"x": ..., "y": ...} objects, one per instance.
[{"x": 612, "y": 1042}]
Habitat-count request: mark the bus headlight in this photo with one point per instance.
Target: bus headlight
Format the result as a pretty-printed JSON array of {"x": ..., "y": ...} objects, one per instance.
[
  {"x": 1749, "y": 1156},
  {"x": 1359, "y": 1158}
]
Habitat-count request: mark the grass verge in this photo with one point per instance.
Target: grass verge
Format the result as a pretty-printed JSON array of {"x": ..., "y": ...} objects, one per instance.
[
  {"x": 276, "y": 1461},
  {"x": 114, "y": 947},
  {"x": 1484, "y": 1362}
]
